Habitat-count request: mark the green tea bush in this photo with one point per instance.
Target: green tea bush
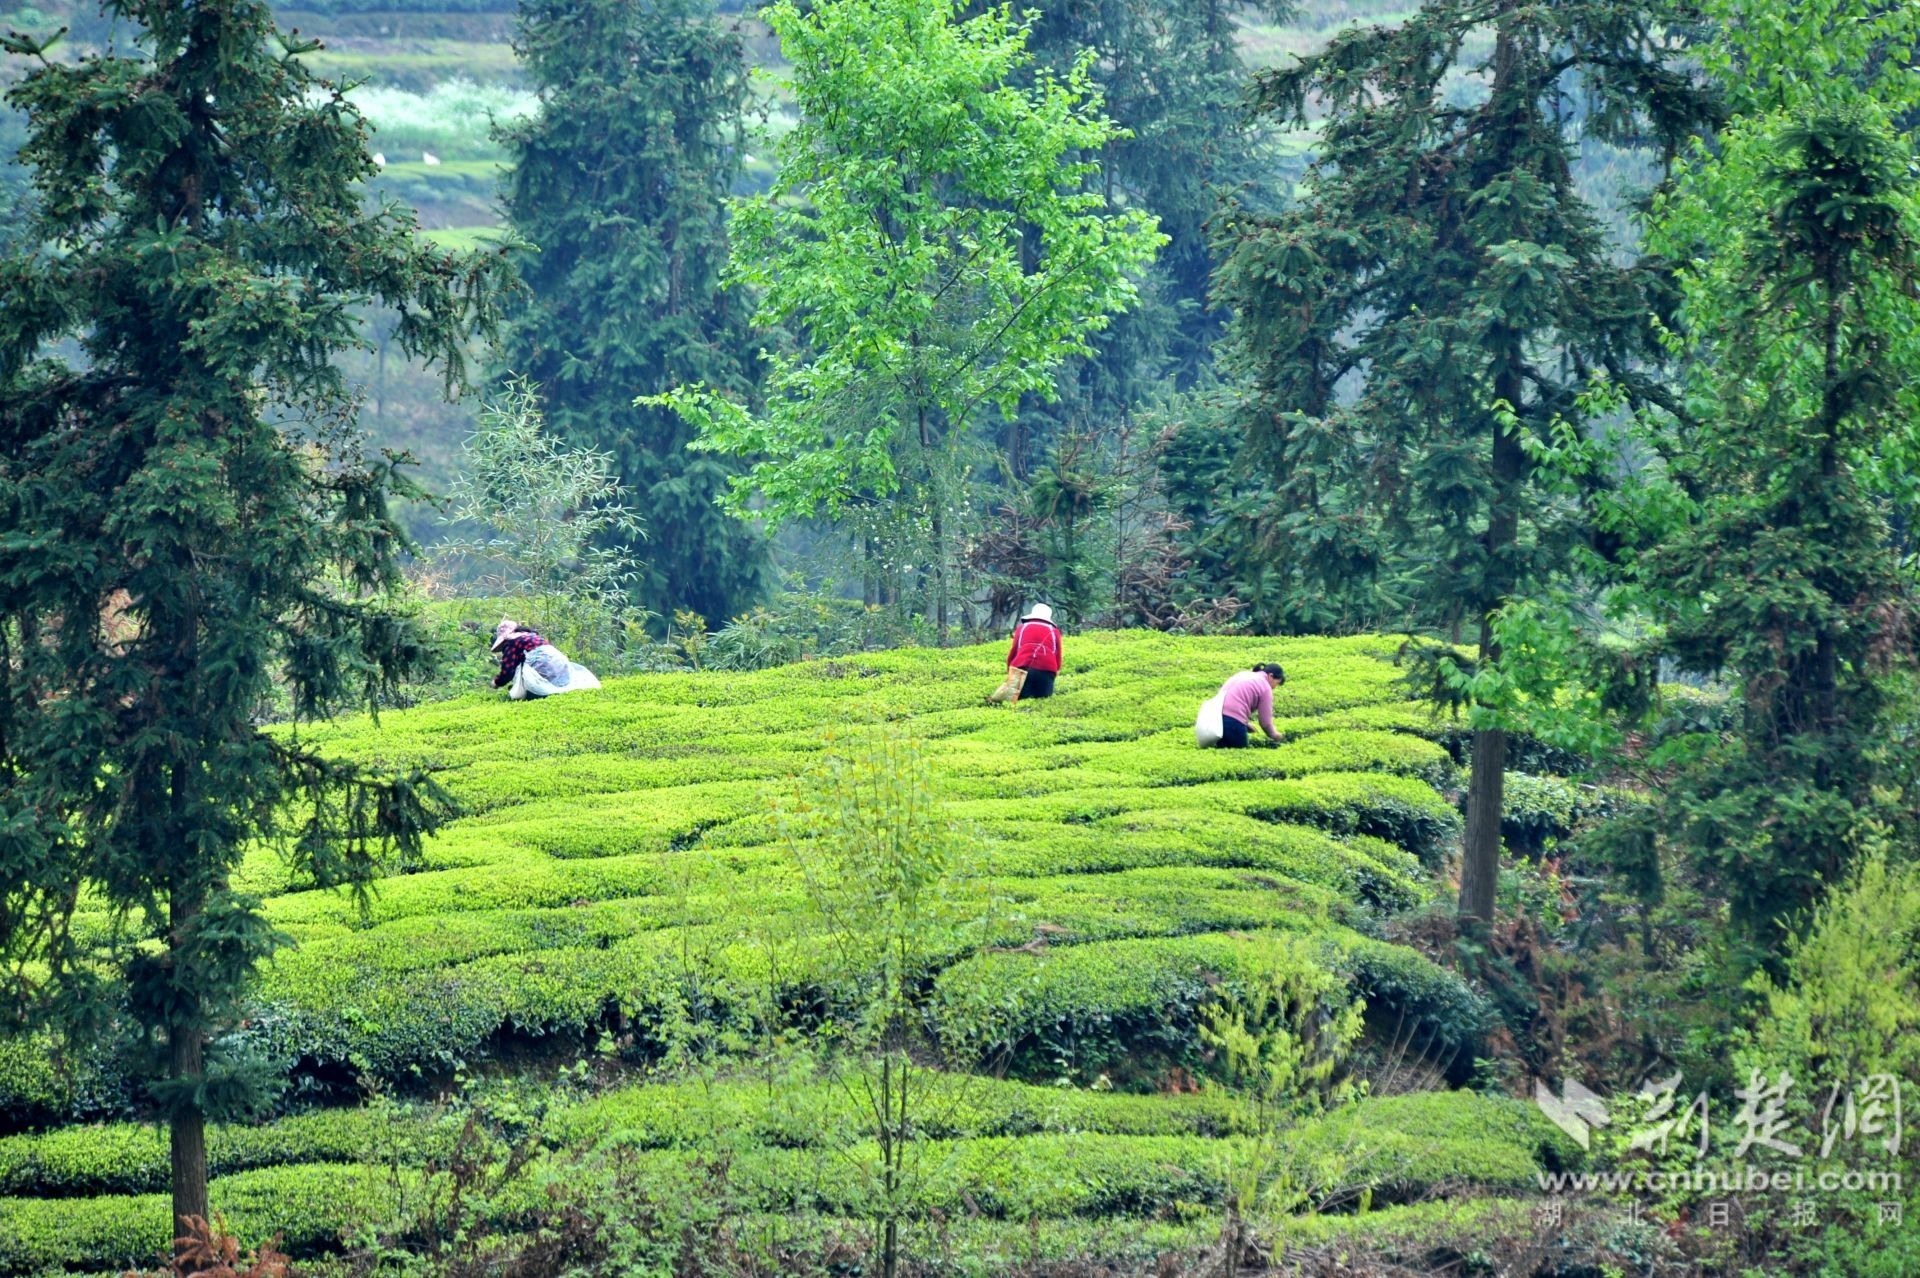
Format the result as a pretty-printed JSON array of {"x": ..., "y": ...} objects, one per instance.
[
  {"x": 1087, "y": 1010},
  {"x": 131, "y": 1158},
  {"x": 308, "y": 1207},
  {"x": 621, "y": 877},
  {"x": 987, "y": 1165},
  {"x": 1538, "y": 810}
]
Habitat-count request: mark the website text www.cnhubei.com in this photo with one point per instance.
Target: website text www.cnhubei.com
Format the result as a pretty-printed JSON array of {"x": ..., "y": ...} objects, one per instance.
[{"x": 1720, "y": 1180}]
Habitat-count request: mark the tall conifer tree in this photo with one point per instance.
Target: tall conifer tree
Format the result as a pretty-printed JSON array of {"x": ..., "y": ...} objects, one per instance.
[
  {"x": 1782, "y": 571},
  {"x": 620, "y": 182},
  {"x": 185, "y": 523},
  {"x": 1786, "y": 580},
  {"x": 1439, "y": 294},
  {"x": 1173, "y": 77}
]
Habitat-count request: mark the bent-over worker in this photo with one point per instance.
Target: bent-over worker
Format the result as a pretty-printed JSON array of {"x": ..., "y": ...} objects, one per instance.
[
  {"x": 1036, "y": 650},
  {"x": 1245, "y": 695}
]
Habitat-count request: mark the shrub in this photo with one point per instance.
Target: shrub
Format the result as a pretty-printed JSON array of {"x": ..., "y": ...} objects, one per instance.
[
  {"x": 1538, "y": 810},
  {"x": 131, "y": 1158},
  {"x": 1130, "y": 1006},
  {"x": 1391, "y": 1149},
  {"x": 306, "y": 1207}
]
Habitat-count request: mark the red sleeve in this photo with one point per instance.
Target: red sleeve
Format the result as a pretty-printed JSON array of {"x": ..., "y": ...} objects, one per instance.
[{"x": 1013, "y": 649}]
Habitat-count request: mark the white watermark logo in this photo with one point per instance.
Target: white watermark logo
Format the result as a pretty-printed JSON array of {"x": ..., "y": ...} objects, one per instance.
[
  {"x": 1576, "y": 1111},
  {"x": 1858, "y": 1118}
]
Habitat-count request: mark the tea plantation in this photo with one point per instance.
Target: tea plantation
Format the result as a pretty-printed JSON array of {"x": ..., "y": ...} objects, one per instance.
[{"x": 616, "y": 869}]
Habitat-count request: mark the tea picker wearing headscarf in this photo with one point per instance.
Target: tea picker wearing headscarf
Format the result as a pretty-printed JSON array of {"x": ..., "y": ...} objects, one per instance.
[{"x": 534, "y": 667}]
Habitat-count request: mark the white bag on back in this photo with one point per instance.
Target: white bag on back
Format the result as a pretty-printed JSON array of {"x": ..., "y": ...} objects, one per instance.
[
  {"x": 1207, "y": 729},
  {"x": 547, "y": 672}
]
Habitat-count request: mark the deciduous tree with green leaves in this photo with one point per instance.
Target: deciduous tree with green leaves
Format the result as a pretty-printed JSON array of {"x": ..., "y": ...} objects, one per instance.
[
  {"x": 547, "y": 510},
  {"x": 620, "y": 182},
  {"x": 185, "y": 519},
  {"x": 935, "y": 241},
  {"x": 881, "y": 861},
  {"x": 1439, "y": 295}
]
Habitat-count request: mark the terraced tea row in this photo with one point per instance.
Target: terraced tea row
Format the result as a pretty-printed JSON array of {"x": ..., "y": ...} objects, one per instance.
[
  {"x": 618, "y": 861},
  {"x": 1000, "y": 1150}
]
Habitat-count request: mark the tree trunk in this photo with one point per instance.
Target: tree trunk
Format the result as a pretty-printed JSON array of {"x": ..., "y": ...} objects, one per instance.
[
  {"x": 1826, "y": 663},
  {"x": 937, "y": 500},
  {"x": 940, "y": 570},
  {"x": 869, "y": 577},
  {"x": 1480, "y": 855},
  {"x": 188, "y": 1129},
  {"x": 188, "y": 1135},
  {"x": 1480, "y": 862}
]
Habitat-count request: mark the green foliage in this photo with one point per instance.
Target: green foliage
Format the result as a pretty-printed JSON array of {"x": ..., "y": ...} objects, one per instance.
[
  {"x": 130, "y": 1158},
  {"x": 592, "y": 845},
  {"x": 1082, "y": 1163},
  {"x": 1069, "y": 879},
  {"x": 1129, "y": 1008},
  {"x": 623, "y": 291},
  {"x": 934, "y": 237},
  {"x": 1846, "y": 1007},
  {"x": 878, "y": 853},
  {"x": 1279, "y": 1041},
  {"x": 1538, "y": 811},
  {"x": 795, "y": 626},
  {"x": 1433, "y": 301},
  {"x": 186, "y": 517},
  {"x": 1784, "y": 576},
  {"x": 1174, "y": 78},
  {"x": 307, "y": 1207},
  {"x": 1840, "y": 1019},
  {"x": 549, "y": 512}
]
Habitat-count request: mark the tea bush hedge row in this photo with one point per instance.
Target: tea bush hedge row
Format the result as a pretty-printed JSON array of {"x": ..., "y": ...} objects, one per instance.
[
  {"x": 641, "y": 810},
  {"x": 1147, "y": 983},
  {"x": 617, "y": 846},
  {"x": 1393, "y": 1146},
  {"x": 131, "y": 1158},
  {"x": 1083, "y": 1010},
  {"x": 306, "y": 1206}
]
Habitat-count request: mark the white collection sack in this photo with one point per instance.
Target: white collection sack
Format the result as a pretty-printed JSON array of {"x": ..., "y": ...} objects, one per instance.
[
  {"x": 547, "y": 673},
  {"x": 1207, "y": 729}
]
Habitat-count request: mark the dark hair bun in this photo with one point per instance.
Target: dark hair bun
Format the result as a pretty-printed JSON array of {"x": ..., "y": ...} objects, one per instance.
[{"x": 1272, "y": 668}]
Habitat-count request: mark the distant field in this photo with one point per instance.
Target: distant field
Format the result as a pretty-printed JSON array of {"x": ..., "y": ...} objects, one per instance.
[
  {"x": 421, "y": 53},
  {"x": 418, "y": 65},
  {"x": 1271, "y": 44}
]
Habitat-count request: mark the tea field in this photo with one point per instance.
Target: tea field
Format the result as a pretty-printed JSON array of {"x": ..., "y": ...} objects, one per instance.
[{"x": 617, "y": 871}]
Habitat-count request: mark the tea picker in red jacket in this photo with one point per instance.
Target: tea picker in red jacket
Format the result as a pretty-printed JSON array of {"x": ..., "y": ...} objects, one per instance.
[{"x": 1036, "y": 650}]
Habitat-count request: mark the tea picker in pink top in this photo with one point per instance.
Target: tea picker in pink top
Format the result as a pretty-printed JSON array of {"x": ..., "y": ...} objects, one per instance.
[{"x": 1224, "y": 718}]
